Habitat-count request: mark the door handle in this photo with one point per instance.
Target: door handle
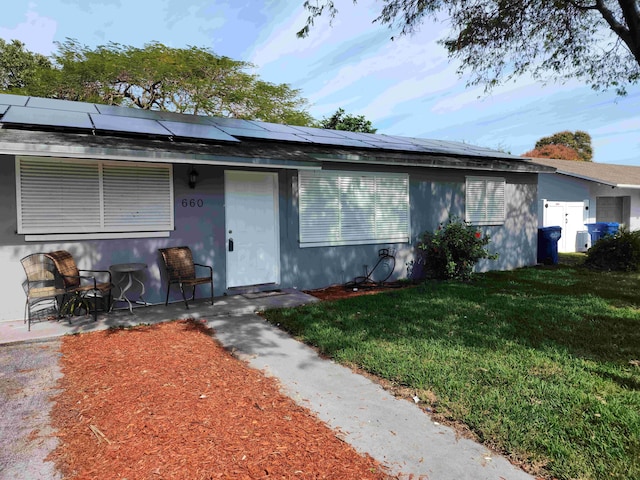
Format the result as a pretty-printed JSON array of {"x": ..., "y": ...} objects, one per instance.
[{"x": 231, "y": 244}]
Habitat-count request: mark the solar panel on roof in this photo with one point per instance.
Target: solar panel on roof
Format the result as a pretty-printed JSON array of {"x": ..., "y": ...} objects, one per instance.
[
  {"x": 319, "y": 132},
  {"x": 275, "y": 127},
  {"x": 402, "y": 147},
  {"x": 194, "y": 130},
  {"x": 46, "y": 117},
  {"x": 234, "y": 123},
  {"x": 113, "y": 123},
  {"x": 396, "y": 138},
  {"x": 9, "y": 99},
  {"x": 342, "y": 142},
  {"x": 129, "y": 112},
  {"x": 263, "y": 134},
  {"x": 357, "y": 135},
  {"x": 436, "y": 146},
  {"x": 56, "y": 104},
  {"x": 185, "y": 118}
]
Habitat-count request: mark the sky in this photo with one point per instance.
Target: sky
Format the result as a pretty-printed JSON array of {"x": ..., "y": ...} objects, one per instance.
[{"x": 407, "y": 86}]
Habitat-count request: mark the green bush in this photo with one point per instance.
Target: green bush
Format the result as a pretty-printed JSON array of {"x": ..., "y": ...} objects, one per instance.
[
  {"x": 452, "y": 251},
  {"x": 618, "y": 252}
]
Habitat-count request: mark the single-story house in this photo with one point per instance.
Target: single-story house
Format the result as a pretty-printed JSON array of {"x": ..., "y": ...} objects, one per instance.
[
  {"x": 579, "y": 193},
  {"x": 267, "y": 205}
]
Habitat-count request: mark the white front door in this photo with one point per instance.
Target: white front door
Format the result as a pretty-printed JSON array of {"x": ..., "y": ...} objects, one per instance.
[{"x": 252, "y": 236}]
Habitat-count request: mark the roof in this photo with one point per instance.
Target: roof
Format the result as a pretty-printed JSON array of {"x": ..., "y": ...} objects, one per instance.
[
  {"x": 623, "y": 176},
  {"x": 93, "y": 130}
]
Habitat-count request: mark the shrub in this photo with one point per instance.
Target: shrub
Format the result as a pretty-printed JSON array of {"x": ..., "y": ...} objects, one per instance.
[
  {"x": 452, "y": 251},
  {"x": 619, "y": 252}
]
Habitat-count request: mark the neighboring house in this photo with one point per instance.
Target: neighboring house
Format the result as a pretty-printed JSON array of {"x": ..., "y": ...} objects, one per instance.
[
  {"x": 586, "y": 192},
  {"x": 272, "y": 206}
]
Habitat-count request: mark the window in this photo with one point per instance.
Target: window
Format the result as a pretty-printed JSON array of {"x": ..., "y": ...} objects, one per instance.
[
  {"x": 347, "y": 208},
  {"x": 485, "y": 200},
  {"x": 69, "y": 197}
]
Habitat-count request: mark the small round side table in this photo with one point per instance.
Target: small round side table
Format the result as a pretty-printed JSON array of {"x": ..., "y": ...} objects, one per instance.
[{"x": 131, "y": 272}]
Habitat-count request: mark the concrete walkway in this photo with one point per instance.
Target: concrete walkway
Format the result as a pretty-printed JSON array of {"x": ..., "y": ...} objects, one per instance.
[{"x": 395, "y": 432}]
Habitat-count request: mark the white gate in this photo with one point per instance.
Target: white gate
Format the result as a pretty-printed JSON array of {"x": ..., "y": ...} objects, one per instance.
[{"x": 571, "y": 217}]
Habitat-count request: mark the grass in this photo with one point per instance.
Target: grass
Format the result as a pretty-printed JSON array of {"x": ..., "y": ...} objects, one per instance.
[{"x": 539, "y": 363}]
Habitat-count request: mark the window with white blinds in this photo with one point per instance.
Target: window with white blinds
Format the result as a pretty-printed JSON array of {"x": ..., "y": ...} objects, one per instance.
[
  {"x": 485, "y": 201},
  {"x": 343, "y": 208},
  {"x": 76, "y": 196}
]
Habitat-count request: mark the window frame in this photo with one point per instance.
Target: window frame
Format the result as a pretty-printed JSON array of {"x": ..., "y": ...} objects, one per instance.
[
  {"x": 351, "y": 219},
  {"x": 491, "y": 209},
  {"x": 88, "y": 215}
]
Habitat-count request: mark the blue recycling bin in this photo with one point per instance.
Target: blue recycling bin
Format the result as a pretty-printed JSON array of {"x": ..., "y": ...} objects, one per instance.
[
  {"x": 610, "y": 228},
  {"x": 595, "y": 231},
  {"x": 548, "y": 245},
  {"x": 600, "y": 229}
]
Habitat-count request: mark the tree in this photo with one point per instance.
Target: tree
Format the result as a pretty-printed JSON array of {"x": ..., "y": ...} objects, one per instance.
[
  {"x": 344, "y": 121},
  {"x": 597, "y": 41},
  {"x": 578, "y": 141},
  {"x": 185, "y": 80},
  {"x": 560, "y": 152},
  {"x": 19, "y": 67}
]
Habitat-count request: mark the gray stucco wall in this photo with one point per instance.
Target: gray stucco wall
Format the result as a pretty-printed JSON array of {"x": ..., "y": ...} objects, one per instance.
[{"x": 435, "y": 194}]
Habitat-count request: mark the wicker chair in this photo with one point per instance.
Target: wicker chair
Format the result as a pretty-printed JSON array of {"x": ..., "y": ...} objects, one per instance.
[
  {"x": 75, "y": 282},
  {"x": 181, "y": 270},
  {"x": 40, "y": 286}
]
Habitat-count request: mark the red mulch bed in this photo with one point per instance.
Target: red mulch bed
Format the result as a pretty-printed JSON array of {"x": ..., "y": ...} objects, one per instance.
[
  {"x": 169, "y": 402},
  {"x": 337, "y": 292}
]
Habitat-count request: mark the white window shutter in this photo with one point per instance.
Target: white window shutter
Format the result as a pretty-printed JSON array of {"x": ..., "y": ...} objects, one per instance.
[
  {"x": 485, "y": 200},
  {"x": 69, "y": 196},
  {"x": 319, "y": 201},
  {"x": 495, "y": 201},
  {"x": 357, "y": 207},
  {"x": 137, "y": 198},
  {"x": 392, "y": 208},
  {"x": 58, "y": 196},
  {"x": 346, "y": 208}
]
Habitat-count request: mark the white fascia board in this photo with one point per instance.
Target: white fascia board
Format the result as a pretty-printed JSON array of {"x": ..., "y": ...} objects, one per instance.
[{"x": 149, "y": 156}]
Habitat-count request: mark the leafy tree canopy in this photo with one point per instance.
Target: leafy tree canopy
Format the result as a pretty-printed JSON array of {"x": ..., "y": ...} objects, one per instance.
[
  {"x": 578, "y": 141},
  {"x": 596, "y": 41},
  {"x": 344, "y": 121},
  {"x": 185, "y": 80},
  {"x": 559, "y": 152},
  {"x": 18, "y": 66}
]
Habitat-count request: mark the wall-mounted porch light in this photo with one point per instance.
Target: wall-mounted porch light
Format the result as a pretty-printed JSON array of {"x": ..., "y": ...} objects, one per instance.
[{"x": 193, "y": 177}]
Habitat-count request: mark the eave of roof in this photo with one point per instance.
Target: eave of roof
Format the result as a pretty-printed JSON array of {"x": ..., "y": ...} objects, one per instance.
[{"x": 266, "y": 154}]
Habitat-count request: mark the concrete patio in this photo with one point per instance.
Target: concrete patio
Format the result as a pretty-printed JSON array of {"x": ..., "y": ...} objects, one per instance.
[{"x": 226, "y": 306}]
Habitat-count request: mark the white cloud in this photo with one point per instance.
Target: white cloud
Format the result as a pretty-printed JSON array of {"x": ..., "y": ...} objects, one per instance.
[
  {"x": 625, "y": 126},
  {"x": 415, "y": 64},
  {"x": 37, "y": 32}
]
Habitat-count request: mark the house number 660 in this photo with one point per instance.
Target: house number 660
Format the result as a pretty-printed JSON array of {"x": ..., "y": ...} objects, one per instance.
[{"x": 192, "y": 202}]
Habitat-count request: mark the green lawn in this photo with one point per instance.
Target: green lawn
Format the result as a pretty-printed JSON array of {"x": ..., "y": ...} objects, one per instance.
[{"x": 540, "y": 363}]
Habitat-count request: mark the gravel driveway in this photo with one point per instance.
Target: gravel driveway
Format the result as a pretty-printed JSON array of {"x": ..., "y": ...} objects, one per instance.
[{"x": 28, "y": 375}]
